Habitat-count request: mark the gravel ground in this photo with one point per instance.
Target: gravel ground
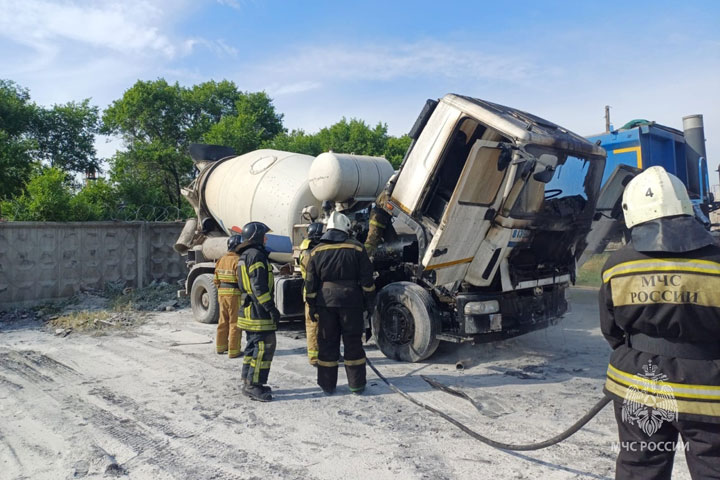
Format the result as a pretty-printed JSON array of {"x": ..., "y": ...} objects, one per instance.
[{"x": 154, "y": 401}]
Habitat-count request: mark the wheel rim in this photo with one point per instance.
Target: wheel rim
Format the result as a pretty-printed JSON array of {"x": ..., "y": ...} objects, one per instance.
[
  {"x": 398, "y": 325},
  {"x": 205, "y": 300}
]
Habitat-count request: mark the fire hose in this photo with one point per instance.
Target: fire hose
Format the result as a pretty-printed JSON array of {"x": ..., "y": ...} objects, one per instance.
[{"x": 499, "y": 445}]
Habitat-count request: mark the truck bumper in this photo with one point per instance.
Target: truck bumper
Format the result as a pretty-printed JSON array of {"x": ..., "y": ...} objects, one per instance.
[{"x": 509, "y": 314}]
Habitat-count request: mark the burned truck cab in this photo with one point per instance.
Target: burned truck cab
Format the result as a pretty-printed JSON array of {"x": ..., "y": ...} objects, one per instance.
[{"x": 499, "y": 203}]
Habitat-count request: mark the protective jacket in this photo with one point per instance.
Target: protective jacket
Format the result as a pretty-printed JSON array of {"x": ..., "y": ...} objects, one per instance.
[
  {"x": 660, "y": 312},
  {"x": 339, "y": 273},
  {"x": 226, "y": 275},
  {"x": 257, "y": 285}
]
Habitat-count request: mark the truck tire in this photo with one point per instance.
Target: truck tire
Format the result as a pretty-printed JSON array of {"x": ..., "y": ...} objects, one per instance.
[
  {"x": 204, "y": 299},
  {"x": 406, "y": 322}
]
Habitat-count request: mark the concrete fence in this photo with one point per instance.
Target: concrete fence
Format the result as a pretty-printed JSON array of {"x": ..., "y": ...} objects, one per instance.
[{"x": 41, "y": 261}]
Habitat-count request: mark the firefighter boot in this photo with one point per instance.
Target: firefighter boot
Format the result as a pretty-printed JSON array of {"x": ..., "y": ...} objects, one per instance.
[{"x": 258, "y": 392}]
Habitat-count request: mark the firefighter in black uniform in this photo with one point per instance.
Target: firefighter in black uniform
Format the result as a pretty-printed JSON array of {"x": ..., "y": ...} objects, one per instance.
[
  {"x": 258, "y": 315},
  {"x": 338, "y": 287},
  {"x": 660, "y": 312}
]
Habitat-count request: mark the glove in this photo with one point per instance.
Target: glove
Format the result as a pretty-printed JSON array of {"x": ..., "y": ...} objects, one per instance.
[
  {"x": 314, "y": 317},
  {"x": 275, "y": 314}
]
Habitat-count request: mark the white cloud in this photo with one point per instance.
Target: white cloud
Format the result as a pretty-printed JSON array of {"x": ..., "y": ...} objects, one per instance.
[{"x": 130, "y": 26}]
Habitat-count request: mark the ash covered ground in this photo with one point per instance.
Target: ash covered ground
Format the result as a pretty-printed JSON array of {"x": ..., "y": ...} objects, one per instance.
[{"x": 113, "y": 387}]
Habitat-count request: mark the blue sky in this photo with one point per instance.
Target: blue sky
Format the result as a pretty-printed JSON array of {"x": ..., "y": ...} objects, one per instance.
[{"x": 380, "y": 60}]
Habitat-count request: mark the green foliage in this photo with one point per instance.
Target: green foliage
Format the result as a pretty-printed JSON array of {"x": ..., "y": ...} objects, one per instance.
[
  {"x": 65, "y": 135},
  {"x": 395, "y": 149},
  {"x": 159, "y": 121},
  {"x": 353, "y": 136},
  {"x": 238, "y": 132},
  {"x": 48, "y": 198},
  {"x": 16, "y": 146},
  {"x": 296, "y": 141},
  {"x": 97, "y": 200}
]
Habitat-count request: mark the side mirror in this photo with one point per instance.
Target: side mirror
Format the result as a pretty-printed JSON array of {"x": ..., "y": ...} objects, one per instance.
[
  {"x": 546, "y": 175},
  {"x": 504, "y": 159}
]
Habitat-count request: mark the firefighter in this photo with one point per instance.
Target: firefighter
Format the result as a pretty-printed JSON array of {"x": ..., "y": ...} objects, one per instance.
[
  {"x": 314, "y": 232},
  {"x": 379, "y": 225},
  {"x": 338, "y": 287},
  {"x": 258, "y": 316},
  {"x": 228, "y": 337},
  {"x": 660, "y": 312}
]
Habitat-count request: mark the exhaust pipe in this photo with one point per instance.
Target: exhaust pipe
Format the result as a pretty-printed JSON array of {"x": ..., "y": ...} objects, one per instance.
[{"x": 694, "y": 130}]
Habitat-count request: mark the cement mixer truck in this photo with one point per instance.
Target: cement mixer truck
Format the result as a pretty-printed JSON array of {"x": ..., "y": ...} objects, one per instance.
[{"x": 481, "y": 245}]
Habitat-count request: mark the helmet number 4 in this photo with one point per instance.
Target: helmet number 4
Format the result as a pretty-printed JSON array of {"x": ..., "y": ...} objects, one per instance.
[{"x": 649, "y": 193}]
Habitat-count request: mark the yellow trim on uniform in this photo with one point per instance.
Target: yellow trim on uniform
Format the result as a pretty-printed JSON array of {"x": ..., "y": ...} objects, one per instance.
[
  {"x": 335, "y": 246},
  {"x": 264, "y": 298},
  {"x": 229, "y": 292},
  {"x": 449, "y": 264},
  {"x": 371, "y": 288},
  {"x": 255, "y": 266},
  {"x": 247, "y": 359},
  {"x": 310, "y": 295},
  {"x": 665, "y": 264},
  {"x": 377, "y": 224},
  {"x": 711, "y": 409},
  {"x": 254, "y": 325},
  {"x": 676, "y": 288},
  {"x": 305, "y": 244},
  {"x": 245, "y": 278},
  {"x": 255, "y": 361},
  {"x": 322, "y": 363},
  {"x": 637, "y": 150},
  {"x": 682, "y": 389},
  {"x": 353, "y": 363}
]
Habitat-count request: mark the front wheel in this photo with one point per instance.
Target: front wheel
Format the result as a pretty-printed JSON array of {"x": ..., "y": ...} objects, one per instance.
[
  {"x": 204, "y": 299},
  {"x": 406, "y": 322}
]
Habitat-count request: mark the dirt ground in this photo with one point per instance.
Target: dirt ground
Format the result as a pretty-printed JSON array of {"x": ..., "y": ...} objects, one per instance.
[{"x": 155, "y": 402}]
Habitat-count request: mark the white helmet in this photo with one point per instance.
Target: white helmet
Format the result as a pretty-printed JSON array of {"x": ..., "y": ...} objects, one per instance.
[
  {"x": 654, "y": 194},
  {"x": 338, "y": 221}
]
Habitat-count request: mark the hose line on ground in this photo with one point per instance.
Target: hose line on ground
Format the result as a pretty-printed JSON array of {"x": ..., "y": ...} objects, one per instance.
[{"x": 500, "y": 445}]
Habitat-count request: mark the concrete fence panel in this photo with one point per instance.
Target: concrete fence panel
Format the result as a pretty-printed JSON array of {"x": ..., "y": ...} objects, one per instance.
[{"x": 41, "y": 261}]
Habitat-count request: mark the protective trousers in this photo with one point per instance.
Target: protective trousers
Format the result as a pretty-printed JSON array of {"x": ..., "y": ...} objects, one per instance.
[
  {"x": 650, "y": 457},
  {"x": 228, "y": 336},
  {"x": 311, "y": 332},
  {"x": 336, "y": 323},
  {"x": 259, "y": 352}
]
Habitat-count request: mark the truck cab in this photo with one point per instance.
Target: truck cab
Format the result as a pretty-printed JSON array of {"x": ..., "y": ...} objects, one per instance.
[{"x": 498, "y": 203}]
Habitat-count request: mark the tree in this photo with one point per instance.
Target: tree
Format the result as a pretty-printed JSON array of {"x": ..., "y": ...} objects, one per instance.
[
  {"x": 395, "y": 149},
  {"x": 159, "y": 121},
  {"x": 16, "y": 144},
  {"x": 65, "y": 136},
  {"x": 296, "y": 141},
  {"x": 97, "y": 200},
  {"x": 47, "y": 198},
  {"x": 354, "y": 136}
]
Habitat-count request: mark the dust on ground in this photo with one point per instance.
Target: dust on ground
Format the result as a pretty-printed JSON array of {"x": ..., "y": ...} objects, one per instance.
[{"x": 153, "y": 401}]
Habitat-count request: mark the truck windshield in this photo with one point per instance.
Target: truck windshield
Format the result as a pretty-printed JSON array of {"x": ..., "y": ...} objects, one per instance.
[{"x": 574, "y": 185}]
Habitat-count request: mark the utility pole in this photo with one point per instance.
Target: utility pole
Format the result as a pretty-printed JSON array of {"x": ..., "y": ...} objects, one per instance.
[{"x": 607, "y": 118}]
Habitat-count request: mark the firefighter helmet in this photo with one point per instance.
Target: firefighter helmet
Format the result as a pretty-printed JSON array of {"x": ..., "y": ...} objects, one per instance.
[
  {"x": 654, "y": 194},
  {"x": 253, "y": 233},
  {"x": 233, "y": 242},
  {"x": 338, "y": 221},
  {"x": 315, "y": 230}
]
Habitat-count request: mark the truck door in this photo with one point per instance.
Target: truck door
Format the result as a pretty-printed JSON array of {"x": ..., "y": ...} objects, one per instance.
[
  {"x": 607, "y": 223},
  {"x": 467, "y": 216}
]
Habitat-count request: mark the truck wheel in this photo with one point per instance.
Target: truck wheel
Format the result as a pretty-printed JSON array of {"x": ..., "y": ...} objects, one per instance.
[
  {"x": 204, "y": 299},
  {"x": 406, "y": 322}
]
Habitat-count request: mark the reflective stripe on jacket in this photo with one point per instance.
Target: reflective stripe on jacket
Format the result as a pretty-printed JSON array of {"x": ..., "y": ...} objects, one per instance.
[
  {"x": 257, "y": 281},
  {"x": 674, "y": 299},
  {"x": 339, "y": 273},
  {"x": 226, "y": 275}
]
